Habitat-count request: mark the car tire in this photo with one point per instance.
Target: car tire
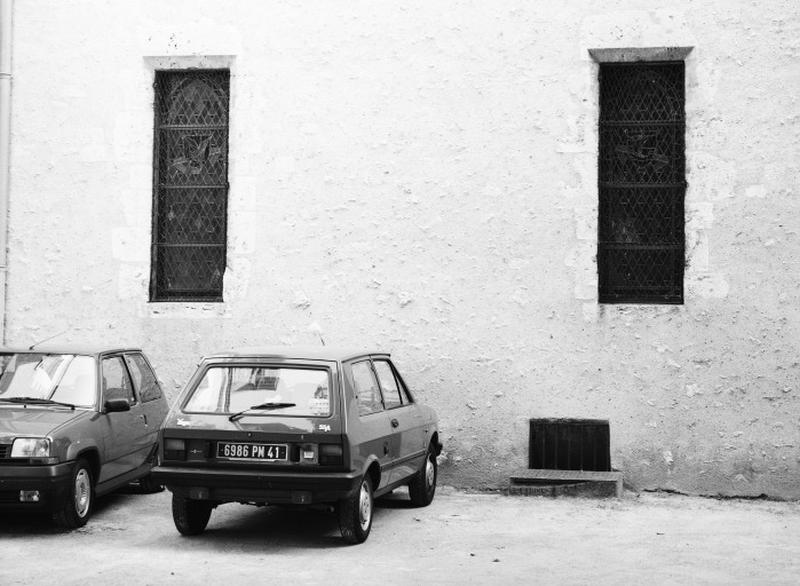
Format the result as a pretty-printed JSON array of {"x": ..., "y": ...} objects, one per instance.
[
  {"x": 422, "y": 487},
  {"x": 149, "y": 486},
  {"x": 190, "y": 516},
  {"x": 355, "y": 513},
  {"x": 77, "y": 506}
]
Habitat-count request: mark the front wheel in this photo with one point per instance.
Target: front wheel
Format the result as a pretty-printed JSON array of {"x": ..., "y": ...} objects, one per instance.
[
  {"x": 422, "y": 487},
  {"x": 190, "y": 516},
  {"x": 77, "y": 507},
  {"x": 355, "y": 513}
]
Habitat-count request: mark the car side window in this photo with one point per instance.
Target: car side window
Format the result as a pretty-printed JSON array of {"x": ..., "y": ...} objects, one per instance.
[
  {"x": 116, "y": 382},
  {"x": 366, "y": 387},
  {"x": 391, "y": 392},
  {"x": 143, "y": 378}
]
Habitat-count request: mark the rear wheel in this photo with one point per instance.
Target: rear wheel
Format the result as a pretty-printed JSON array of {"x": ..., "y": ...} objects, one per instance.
[
  {"x": 422, "y": 487},
  {"x": 77, "y": 507},
  {"x": 190, "y": 516},
  {"x": 355, "y": 513}
]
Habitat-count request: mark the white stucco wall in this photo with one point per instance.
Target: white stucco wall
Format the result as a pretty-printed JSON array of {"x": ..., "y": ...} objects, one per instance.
[{"x": 421, "y": 177}]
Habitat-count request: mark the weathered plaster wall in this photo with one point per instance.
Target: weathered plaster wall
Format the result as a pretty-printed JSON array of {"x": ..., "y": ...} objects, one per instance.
[{"x": 422, "y": 178}]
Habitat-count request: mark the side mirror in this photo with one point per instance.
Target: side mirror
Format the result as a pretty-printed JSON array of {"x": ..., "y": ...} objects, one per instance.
[{"x": 117, "y": 405}]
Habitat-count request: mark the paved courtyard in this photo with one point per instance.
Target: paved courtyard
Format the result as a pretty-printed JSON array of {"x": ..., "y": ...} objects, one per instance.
[{"x": 462, "y": 538}]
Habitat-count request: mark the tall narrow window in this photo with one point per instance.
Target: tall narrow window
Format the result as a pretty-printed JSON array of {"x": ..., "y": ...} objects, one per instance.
[
  {"x": 640, "y": 255},
  {"x": 190, "y": 185}
]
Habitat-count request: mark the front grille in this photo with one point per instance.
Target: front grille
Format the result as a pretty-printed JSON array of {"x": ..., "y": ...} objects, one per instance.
[
  {"x": 9, "y": 497},
  {"x": 5, "y": 451}
]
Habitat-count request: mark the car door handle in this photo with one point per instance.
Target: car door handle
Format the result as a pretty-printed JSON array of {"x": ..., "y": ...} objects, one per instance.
[
  {"x": 395, "y": 423},
  {"x": 144, "y": 418}
]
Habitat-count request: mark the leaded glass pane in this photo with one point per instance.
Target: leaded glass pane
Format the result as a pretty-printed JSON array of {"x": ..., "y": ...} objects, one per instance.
[
  {"x": 191, "y": 185},
  {"x": 641, "y": 183}
]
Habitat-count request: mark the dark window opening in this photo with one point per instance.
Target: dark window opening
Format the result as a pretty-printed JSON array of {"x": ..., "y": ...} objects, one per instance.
[
  {"x": 641, "y": 243},
  {"x": 190, "y": 185}
]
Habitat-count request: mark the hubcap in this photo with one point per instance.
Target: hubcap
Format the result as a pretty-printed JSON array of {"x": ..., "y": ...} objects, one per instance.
[
  {"x": 83, "y": 492},
  {"x": 430, "y": 473},
  {"x": 364, "y": 507}
]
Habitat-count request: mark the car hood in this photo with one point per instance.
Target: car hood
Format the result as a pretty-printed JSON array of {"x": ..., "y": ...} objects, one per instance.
[{"x": 34, "y": 421}]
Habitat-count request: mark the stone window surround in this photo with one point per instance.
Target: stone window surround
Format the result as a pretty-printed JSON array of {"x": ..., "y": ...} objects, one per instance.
[
  {"x": 634, "y": 54},
  {"x": 592, "y": 309},
  {"x": 194, "y": 309}
]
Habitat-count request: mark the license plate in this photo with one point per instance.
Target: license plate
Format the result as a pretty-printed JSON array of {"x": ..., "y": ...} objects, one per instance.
[{"x": 241, "y": 451}]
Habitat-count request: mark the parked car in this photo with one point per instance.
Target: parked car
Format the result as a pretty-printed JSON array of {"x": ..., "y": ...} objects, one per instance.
[
  {"x": 296, "y": 426},
  {"x": 75, "y": 423}
]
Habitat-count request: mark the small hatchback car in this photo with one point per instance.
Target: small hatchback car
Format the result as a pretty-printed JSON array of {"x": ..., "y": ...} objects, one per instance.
[
  {"x": 75, "y": 423},
  {"x": 296, "y": 426}
]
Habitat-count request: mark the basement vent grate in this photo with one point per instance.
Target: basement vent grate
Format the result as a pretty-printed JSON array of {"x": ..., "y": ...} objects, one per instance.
[{"x": 569, "y": 444}]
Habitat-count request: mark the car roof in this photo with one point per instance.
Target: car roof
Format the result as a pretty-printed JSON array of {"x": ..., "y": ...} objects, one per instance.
[
  {"x": 296, "y": 352},
  {"x": 65, "y": 348}
]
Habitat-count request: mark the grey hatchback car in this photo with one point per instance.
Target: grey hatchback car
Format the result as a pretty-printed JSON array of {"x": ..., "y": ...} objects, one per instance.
[
  {"x": 75, "y": 423},
  {"x": 297, "y": 426}
]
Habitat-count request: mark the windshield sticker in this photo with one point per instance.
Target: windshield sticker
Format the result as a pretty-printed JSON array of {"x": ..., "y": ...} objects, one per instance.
[{"x": 320, "y": 404}]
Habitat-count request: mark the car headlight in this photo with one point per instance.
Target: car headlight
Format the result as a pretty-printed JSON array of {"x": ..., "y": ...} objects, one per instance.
[{"x": 30, "y": 447}]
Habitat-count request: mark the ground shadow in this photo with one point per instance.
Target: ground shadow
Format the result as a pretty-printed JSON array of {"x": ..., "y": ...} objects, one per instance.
[
  {"x": 392, "y": 502},
  {"x": 242, "y": 528},
  {"x": 37, "y": 522}
]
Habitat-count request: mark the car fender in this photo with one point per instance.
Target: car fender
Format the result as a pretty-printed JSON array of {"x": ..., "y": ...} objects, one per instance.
[
  {"x": 82, "y": 445},
  {"x": 76, "y": 436},
  {"x": 368, "y": 462}
]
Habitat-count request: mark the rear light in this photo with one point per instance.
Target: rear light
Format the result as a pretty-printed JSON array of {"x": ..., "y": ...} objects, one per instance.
[
  {"x": 330, "y": 454},
  {"x": 308, "y": 453},
  {"x": 174, "y": 449},
  {"x": 322, "y": 454}
]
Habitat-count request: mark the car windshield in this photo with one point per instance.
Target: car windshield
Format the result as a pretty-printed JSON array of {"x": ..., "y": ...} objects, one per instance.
[
  {"x": 62, "y": 378},
  {"x": 291, "y": 391}
]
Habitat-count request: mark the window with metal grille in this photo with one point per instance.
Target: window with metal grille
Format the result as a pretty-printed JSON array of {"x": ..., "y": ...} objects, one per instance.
[
  {"x": 190, "y": 185},
  {"x": 640, "y": 254}
]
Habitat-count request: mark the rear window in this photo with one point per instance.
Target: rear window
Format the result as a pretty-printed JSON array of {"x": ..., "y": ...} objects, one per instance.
[{"x": 277, "y": 391}]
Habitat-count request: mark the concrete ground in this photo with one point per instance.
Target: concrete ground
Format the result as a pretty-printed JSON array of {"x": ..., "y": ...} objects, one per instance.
[{"x": 461, "y": 538}]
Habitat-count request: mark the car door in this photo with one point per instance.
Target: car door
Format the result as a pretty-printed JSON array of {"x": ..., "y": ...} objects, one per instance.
[
  {"x": 124, "y": 432},
  {"x": 405, "y": 418},
  {"x": 153, "y": 404},
  {"x": 374, "y": 433}
]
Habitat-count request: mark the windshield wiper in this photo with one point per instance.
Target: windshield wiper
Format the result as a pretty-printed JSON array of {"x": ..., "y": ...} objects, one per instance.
[
  {"x": 262, "y": 406},
  {"x": 36, "y": 401}
]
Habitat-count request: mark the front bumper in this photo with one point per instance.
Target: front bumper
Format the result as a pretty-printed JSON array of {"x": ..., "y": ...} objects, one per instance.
[
  {"x": 278, "y": 487},
  {"x": 52, "y": 482}
]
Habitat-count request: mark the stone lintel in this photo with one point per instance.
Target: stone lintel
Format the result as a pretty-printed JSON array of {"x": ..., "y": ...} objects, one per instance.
[{"x": 634, "y": 54}]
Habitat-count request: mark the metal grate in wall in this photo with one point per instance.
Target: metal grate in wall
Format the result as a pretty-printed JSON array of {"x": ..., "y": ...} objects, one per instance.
[
  {"x": 190, "y": 185},
  {"x": 569, "y": 444},
  {"x": 642, "y": 184}
]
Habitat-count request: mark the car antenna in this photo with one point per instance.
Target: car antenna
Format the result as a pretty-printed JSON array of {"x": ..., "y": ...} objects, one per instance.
[
  {"x": 314, "y": 327},
  {"x": 32, "y": 346}
]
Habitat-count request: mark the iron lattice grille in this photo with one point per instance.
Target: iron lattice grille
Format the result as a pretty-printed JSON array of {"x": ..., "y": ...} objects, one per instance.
[
  {"x": 641, "y": 244},
  {"x": 190, "y": 185}
]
